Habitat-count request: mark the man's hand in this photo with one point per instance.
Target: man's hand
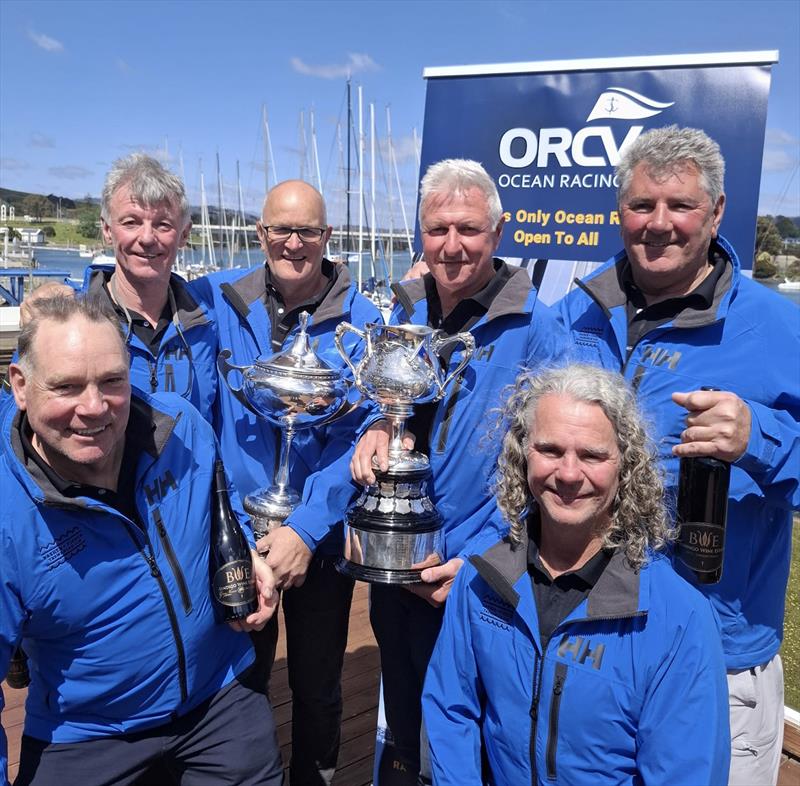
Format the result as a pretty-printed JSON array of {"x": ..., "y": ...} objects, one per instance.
[
  {"x": 286, "y": 555},
  {"x": 437, "y": 582},
  {"x": 27, "y": 309},
  {"x": 267, "y": 598},
  {"x": 374, "y": 442},
  {"x": 718, "y": 424}
]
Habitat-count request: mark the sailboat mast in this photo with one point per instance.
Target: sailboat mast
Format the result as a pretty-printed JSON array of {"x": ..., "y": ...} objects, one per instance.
[
  {"x": 349, "y": 143},
  {"x": 241, "y": 214},
  {"x": 372, "y": 182},
  {"x": 360, "y": 185}
]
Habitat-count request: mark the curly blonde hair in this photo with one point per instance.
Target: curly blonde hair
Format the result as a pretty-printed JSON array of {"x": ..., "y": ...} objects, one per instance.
[{"x": 638, "y": 518}]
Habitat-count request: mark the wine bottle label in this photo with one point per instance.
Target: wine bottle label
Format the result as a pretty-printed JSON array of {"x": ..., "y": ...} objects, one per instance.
[
  {"x": 701, "y": 546},
  {"x": 233, "y": 583}
]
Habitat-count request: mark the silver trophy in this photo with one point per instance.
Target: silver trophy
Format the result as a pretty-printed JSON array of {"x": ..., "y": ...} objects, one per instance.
[
  {"x": 393, "y": 531},
  {"x": 293, "y": 389}
]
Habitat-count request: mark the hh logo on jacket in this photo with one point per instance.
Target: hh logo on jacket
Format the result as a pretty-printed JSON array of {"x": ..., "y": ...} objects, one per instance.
[
  {"x": 580, "y": 650},
  {"x": 160, "y": 487},
  {"x": 657, "y": 356}
]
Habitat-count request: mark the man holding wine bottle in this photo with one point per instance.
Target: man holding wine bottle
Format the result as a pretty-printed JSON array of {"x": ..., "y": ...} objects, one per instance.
[
  {"x": 674, "y": 313},
  {"x": 105, "y": 547}
]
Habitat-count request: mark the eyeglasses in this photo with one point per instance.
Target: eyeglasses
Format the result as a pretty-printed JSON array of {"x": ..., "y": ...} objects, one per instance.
[{"x": 306, "y": 234}]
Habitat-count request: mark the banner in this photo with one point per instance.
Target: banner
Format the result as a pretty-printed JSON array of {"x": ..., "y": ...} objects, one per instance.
[{"x": 550, "y": 134}]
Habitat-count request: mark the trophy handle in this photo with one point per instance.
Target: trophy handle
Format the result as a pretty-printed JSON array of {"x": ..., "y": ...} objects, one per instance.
[
  {"x": 341, "y": 329},
  {"x": 224, "y": 369},
  {"x": 438, "y": 344}
]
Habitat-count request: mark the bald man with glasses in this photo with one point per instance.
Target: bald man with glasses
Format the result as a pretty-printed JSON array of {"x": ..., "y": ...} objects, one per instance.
[{"x": 257, "y": 313}]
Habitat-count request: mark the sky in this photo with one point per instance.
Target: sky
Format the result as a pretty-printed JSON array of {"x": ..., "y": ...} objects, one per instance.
[{"x": 83, "y": 83}]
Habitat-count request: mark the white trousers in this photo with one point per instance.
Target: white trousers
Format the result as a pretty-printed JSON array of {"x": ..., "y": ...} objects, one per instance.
[{"x": 756, "y": 713}]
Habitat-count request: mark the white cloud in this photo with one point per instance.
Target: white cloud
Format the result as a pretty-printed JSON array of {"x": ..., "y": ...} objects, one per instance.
[
  {"x": 70, "y": 172},
  {"x": 45, "y": 42},
  {"x": 403, "y": 148},
  {"x": 355, "y": 64},
  {"x": 777, "y": 136},
  {"x": 777, "y": 160},
  {"x": 41, "y": 140},
  {"x": 13, "y": 164}
]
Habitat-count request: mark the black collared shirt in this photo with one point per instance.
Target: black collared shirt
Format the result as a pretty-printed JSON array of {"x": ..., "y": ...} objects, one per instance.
[
  {"x": 122, "y": 500},
  {"x": 281, "y": 320},
  {"x": 643, "y": 318},
  {"x": 466, "y": 313},
  {"x": 149, "y": 334},
  {"x": 557, "y": 598}
]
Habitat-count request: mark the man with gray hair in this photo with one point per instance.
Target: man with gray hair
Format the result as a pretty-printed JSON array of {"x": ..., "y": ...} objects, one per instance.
[
  {"x": 467, "y": 289},
  {"x": 571, "y": 651},
  {"x": 675, "y": 314},
  {"x": 145, "y": 218}
]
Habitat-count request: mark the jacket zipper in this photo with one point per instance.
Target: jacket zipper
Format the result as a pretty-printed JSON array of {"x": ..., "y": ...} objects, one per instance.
[
  {"x": 173, "y": 619},
  {"x": 153, "y": 377},
  {"x": 173, "y": 561},
  {"x": 534, "y": 712},
  {"x": 555, "y": 707}
]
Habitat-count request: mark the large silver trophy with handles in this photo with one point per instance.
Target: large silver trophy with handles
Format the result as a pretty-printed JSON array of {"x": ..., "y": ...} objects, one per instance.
[
  {"x": 293, "y": 389},
  {"x": 393, "y": 531}
]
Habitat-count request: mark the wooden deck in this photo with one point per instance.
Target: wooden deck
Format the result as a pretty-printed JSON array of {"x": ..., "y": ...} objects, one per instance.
[{"x": 360, "y": 680}]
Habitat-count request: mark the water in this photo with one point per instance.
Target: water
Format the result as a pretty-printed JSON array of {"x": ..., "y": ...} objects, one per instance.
[{"x": 68, "y": 259}]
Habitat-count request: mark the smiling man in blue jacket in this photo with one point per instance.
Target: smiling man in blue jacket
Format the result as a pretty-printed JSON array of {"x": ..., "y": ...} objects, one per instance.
[
  {"x": 571, "y": 652},
  {"x": 674, "y": 313},
  {"x": 104, "y": 548}
]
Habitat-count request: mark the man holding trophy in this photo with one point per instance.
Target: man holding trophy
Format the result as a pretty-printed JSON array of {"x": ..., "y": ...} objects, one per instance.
[
  {"x": 466, "y": 291},
  {"x": 283, "y": 316}
]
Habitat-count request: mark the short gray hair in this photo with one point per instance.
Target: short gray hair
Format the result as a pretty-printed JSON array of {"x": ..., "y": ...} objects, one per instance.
[
  {"x": 638, "y": 515},
  {"x": 62, "y": 309},
  {"x": 455, "y": 176},
  {"x": 149, "y": 182},
  {"x": 663, "y": 150}
]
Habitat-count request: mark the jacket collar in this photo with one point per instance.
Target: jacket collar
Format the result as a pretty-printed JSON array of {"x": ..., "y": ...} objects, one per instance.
[
  {"x": 606, "y": 289},
  {"x": 617, "y": 592},
  {"x": 511, "y": 299},
  {"x": 148, "y": 428},
  {"x": 252, "y": 288},
  {"x": 189, "y": 312}
]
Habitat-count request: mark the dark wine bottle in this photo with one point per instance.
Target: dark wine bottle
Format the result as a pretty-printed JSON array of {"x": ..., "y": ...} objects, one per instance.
[
  {"x": 18, "y": 675},
  {"x": 233, "y": 583},
  {"x": 702, "y": 511}
]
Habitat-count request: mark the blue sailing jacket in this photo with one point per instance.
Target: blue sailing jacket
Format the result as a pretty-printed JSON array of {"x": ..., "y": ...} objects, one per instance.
[
  {"x": 516, "y": 333},
  {"x": 748, "y": 342},
  {"x": 630, "y": 688},
  {"x": 319, "y": 459},
  {"x": 116, "y": 617},
  {"x": 186, "y": 360}
]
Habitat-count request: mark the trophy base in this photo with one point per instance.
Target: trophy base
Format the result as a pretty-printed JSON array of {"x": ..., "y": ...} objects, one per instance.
[
  {"x": 393, "y": 532},
  {"x": 269, "y": 508},
  {"x": 377, "y": 575}
]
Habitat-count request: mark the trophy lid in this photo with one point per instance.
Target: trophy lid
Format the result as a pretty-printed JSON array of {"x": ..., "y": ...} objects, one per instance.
[{"x": 299, "y": 360}]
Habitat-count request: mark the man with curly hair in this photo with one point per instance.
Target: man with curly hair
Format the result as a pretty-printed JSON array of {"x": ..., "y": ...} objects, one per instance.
[{"x": 571, "y": 650}]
